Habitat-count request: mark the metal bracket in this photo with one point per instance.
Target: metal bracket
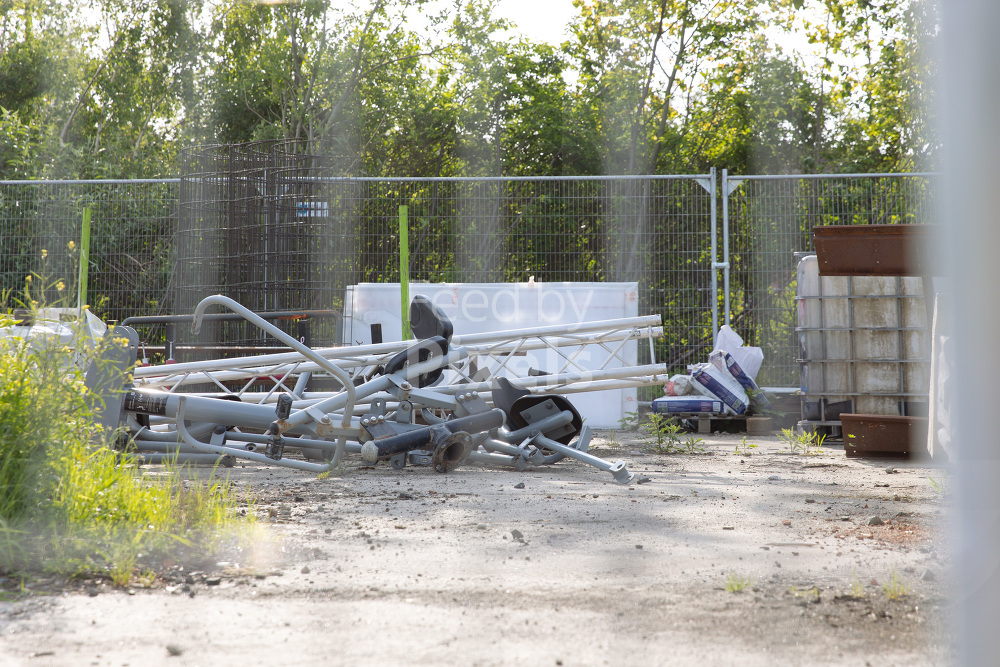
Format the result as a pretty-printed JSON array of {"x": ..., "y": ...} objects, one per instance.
[
  {"x": 377, "y": 427},
  {"x": 419, "y": 458},
  {"x": 706, "y": 183},
  {"x": 430, "y": 398},
  {"x": 469, "y": 404},
  {"x": 404, "y": 412}
]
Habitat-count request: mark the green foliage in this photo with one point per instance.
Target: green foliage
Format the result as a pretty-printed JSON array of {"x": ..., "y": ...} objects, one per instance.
[
  {"x": 745, "y": 448},
  {"x": 894, "y": 587},
  {"x": 663, "y": 432},
  {"x": 857, "y": 588},
  {"x": 120, "y": 88},
  {"x": 736, "y": 583},
  {"x": 629, "y": 421},
  {"x": 940, "y": 485},
  {"x": 692, "y": 445},
  {"x": 666, "y": 435},
  {"x": 810, "y": 594},
  {"x": 68, "y": 503},
  {"x": 613, "y": 444},
  {"x": 803, "y": 442}
]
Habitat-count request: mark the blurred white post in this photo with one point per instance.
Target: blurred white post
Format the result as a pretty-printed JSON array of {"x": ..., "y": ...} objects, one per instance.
[{"x": 970, "y": 124}]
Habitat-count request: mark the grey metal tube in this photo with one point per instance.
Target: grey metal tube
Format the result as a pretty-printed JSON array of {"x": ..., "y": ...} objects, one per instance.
[
  {"x": 383, "y": 383},
  {"x": 617, "y": 469},
  {"x": 181, "y": 459},
  {"x": 376, "y": 450},
  {"x": 143, "y": 446},
  {"x": 491, "y": 459},
  {"x": 197, "y": 430},
  {"x": 250, "y": 456},
  {"x": 308, "y": 443},
  {"x": 264, "y": 325},
  {"x": 540, "y": 426},
  {"x": 515, "y": 451},
  {"x": 365, "y": 354}
]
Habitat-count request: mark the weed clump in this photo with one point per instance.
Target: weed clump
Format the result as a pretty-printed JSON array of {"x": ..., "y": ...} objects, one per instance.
[
  {"x": 736, "y": 583},
  {"x": 665, "y": 434},
  {"x": 894, "y": 587},
  {"x": 804, "y": 442},
  {"x": 70, "y": 504}
]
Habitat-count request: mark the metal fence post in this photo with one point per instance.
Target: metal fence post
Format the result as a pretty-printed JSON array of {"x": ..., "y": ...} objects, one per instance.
[
  {"x": 713, "y": 266},
  {"x": 728, "y": 186}
]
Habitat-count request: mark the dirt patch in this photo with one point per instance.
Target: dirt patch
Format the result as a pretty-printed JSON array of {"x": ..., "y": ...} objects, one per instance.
[{"x": 708, "y": 558}]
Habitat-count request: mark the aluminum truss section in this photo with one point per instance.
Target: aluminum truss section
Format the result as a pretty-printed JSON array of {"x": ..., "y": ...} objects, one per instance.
[{"x": 489, "y": 358}]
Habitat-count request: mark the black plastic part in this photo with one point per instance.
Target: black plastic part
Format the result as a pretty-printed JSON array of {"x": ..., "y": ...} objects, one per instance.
[
  {"x": 504, "y": 395},
  {"x": 24, "y": 318},
  {"x": 284, "y": 408},
  {"x": 420, "y": 351},
  {"x": 143, "y": 403},
  {"x": 275, "y": 447},
  {"x": 428, "y": 321},
  {"x": 516, "y": 421}
]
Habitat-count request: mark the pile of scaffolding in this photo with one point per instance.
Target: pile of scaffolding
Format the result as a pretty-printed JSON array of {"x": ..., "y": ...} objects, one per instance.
[{"x": 442, "y": 400}]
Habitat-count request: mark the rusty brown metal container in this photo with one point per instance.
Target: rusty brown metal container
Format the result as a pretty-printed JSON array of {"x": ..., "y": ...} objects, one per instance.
[
  {"x": 872, "y": 250},
  {"x": 884, "y": 435}
]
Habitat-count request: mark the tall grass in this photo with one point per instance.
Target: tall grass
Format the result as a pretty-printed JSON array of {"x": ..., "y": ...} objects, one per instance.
[{"x": 71, "y": 504}]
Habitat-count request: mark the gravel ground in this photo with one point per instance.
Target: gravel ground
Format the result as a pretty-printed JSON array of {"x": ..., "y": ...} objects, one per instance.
[{"x": 732, "y": 555}]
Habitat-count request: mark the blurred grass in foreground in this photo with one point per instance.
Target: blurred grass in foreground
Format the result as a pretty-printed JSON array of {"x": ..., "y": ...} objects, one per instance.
[{"x": 70, "y": 504}]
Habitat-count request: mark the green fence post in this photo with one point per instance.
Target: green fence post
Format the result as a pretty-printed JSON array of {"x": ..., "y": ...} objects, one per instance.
[
  {"x": 84, "y": 259},
  {"x": 404, "y": 271}
]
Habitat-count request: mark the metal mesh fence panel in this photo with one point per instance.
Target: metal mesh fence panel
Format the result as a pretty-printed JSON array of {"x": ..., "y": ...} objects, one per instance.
[
  {"x": 652, "y": 230},
  {"x": 275, "y": 234},
  {"x": 278, "y": 230},
  {"x": 770, "y": 221},
  {"x": 258, "y": 224},
  {"x": 131, "y": 249}
]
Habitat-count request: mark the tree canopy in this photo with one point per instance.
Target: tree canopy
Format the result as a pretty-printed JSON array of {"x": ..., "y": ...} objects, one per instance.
[{"x": 419, "y": 88}]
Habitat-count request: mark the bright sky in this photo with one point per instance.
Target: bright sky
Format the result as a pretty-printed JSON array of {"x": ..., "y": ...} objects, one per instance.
[
  {"x": 539, "y": 20},
  {"x": 548, "y": 21}
]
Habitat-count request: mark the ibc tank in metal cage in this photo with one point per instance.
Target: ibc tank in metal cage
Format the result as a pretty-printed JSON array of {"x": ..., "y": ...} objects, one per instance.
[{"x": 863, "y": 345}]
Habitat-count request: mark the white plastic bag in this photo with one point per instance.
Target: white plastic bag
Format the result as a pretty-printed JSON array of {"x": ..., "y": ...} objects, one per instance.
[{"x": 748, "y": 358}]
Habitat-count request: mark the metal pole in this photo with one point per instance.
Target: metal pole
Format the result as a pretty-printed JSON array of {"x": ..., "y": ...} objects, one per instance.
[
  {"x": 358, "y": 351},
  {"x": 84, "y": 259},
  {"x": 404, "y": 271},
  {"x": 725, "y": 241},
  {"x": 253, "y": 318},
  {"x": 715, "y": 255}
]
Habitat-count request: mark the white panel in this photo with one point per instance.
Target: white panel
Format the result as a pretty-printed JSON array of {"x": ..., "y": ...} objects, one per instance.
[{"x": 489, "y": 307}]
